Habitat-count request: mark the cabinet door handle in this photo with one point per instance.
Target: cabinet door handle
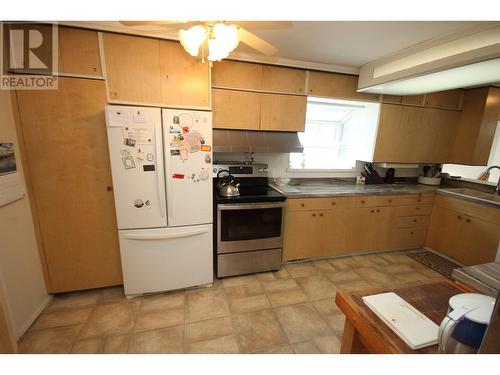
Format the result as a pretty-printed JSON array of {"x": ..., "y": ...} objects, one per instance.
[
  {"x": 411, "y": 232},
  {"x": 320, "y": 214},
  {"x": 378, "y": 210},
  {"x": 372, "y": 211},
  {"x": 363, "y": 202},
  {"x": 314, "y": 215},
  {"x": 302, "y": 205},
  {"x": 459, "y": 217},
  {"x": 333, "y": 203},
  {"x": 468, "y": 220},
  {"x": 414, "y": 220},
  {"x": 390, "y": 200},
  {"x": 418, "y": 208}
]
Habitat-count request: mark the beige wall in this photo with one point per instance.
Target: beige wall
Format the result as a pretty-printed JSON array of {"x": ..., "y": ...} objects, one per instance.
[{"x": 20, "y": 269}]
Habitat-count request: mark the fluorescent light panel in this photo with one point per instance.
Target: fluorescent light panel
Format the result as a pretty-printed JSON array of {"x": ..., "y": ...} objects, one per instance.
[{"x": 478, "y": 74}]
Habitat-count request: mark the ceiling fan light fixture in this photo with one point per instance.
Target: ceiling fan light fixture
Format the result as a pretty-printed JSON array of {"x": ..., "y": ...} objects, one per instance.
[
  {"x": 222, "y": 41},
  {"x": 192, "y": 39}
]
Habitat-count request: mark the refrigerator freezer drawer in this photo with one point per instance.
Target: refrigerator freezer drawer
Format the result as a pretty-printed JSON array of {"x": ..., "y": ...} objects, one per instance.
[
  {"x": 156, "y": 260},
  {"x": 248, "y": 262}
]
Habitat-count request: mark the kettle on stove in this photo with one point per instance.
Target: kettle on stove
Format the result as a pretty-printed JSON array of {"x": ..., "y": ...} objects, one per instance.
[
  {"x": 227, "y": 185},
  {"x": 465, "y": 323}
]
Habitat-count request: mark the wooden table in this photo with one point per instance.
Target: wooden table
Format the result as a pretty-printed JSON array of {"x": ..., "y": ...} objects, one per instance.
[{"x": 365, "y": 332}]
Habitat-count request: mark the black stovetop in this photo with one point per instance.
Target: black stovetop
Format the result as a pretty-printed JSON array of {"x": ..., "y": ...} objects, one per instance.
[{"x": 252, "y": 190}]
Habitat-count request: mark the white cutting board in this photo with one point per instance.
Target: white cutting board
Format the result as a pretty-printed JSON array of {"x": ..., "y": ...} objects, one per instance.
[{"x": 407, "y": 322}]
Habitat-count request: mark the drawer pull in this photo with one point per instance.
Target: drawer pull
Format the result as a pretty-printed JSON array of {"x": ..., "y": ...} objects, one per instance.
[
  {"x": 414, "y": 220},
  {"x": 378, "y": 210},
  {"x": 467, "y": 220},
  {"x": 333, "y": 203},
  {"x": 418, "y": 208},
  {"x": 320, "y": 214},
  {"x": 362, "y": 201},
  {"x": 302, "y": 205},
  {"x": 314, "y": 215},
  {"x": 372, "y": 211},
  {"x": 389, "y": 200},
  {"x": 459, "y": 217},
  {"x": 411, "y": 232}
]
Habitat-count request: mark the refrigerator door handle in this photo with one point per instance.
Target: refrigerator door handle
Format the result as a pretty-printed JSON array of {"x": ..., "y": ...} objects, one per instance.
[
  {"x": 159, "y": 170},
  {"x": 166, "y": 236}
]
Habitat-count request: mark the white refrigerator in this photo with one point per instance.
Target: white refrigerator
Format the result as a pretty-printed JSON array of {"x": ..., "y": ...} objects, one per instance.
[{"x": 161, "y": 161}]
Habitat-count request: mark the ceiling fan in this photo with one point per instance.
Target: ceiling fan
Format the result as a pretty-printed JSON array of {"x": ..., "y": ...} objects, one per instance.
[{"x": 216, "y": 39}]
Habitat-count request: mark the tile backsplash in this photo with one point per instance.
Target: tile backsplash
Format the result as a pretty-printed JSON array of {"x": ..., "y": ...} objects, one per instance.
[{"x": 278, "y": 166}]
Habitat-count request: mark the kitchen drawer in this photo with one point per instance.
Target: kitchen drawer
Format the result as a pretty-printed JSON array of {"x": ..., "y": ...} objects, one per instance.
[
  {"x": 366, "y": 201},
  {"x": 405, "y": 199},
  {"x": 408, "y": 237},
  {"x": 414, "y": 210},
  {"x": 248, "y": 262},
  {"x": 304, "y": 204},
  {"x": 412, "y": 221}
]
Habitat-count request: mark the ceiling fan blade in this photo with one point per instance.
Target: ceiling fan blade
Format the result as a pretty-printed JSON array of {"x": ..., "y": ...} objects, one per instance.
[
  {"x": 262, "y": 25},
  {"x": 256, "y": 43}
]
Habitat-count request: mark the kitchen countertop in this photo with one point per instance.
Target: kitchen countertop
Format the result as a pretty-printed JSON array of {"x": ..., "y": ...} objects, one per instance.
[
  {"x": 483, "y": 277},
  {"x": 476, "y": 196},
  {"x": 339, "y": 188}
]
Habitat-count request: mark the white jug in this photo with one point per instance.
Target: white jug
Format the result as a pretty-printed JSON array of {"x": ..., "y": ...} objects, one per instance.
[{"x": 465, "y": 324}]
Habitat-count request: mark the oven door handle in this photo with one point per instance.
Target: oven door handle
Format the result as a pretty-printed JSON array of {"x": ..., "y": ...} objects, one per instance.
[{"x": 249, "y": 206}]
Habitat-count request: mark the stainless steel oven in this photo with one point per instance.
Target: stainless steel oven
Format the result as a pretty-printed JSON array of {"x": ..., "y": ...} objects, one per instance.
[
  {"x": 248, "y": 229},
  {"x": 249, "y": 226},
  {"x": 249, "y": 237}
]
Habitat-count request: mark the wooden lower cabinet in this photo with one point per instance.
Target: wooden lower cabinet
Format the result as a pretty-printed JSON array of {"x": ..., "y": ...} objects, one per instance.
[
  {"x": 312, "y": 234},
  {"x": 64, "y": 135},
  {"x": 366, "y": 228},
  {"x": 323, "y": 227},
  {"x": 468, "y": 239}
]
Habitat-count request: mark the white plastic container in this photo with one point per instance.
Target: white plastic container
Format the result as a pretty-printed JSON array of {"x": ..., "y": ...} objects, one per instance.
[{"x": 429, "y": 180}]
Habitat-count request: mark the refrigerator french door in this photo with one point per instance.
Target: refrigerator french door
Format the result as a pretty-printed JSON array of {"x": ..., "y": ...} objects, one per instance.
[
  {"x": 160, "y": 251},
  {"x": 136, "y": 154},
  {"x": 188, "y": 166}
]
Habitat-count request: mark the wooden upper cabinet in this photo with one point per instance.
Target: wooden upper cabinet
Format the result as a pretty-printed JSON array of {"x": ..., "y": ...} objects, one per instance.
[
  {"x": 234, "y": 109},
  {"x": 478, "y": 122},
  {"x": 281, "y": 79},
  {"x": 388, "y": 133},
  {"x": 408, "y": 134},
  {"x": 394, "y": 99},
  {"x": 334, "y": 85},
  {"x": 283, "y": 112},
  {"x": 450, "y": 99},
  {"x": 413, "y": 99},
  {"x": 237, "y": 75},
  {"x": 184, "y": 79},
  {"x": 79, "y": 52},
  {"x": 133, "y": 68},
  {"x": 439, "y": 128}
]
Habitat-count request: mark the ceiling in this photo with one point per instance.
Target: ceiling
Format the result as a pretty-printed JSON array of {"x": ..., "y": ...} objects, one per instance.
[
  {"x": 348, "y": 44},
  {"x": 352, "y": 43}
]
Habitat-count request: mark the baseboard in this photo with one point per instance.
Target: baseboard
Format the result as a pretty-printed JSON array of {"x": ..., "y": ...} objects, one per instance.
[{"x": 34, "y": 316}]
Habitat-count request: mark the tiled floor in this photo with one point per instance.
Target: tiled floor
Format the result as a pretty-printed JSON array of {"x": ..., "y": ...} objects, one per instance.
[{"x": 288, "y": 311}]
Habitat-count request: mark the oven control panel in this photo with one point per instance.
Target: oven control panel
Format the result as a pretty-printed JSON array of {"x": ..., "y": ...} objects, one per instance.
[{"x": 242, "y": 170}]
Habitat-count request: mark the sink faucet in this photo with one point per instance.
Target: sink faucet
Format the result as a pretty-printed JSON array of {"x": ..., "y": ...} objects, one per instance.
[{"x": 484, "y": 177}]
